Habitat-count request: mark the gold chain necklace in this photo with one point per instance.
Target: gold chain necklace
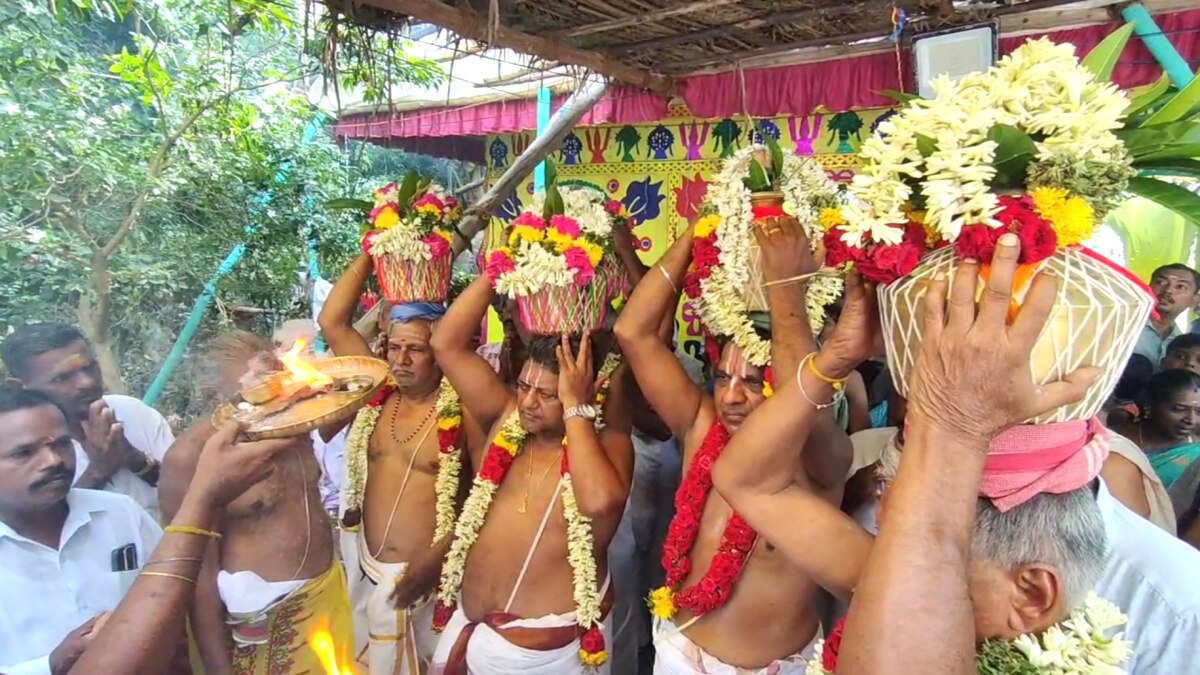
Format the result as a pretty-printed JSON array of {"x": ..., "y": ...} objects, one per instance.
[{"x": 529, "y": 479}]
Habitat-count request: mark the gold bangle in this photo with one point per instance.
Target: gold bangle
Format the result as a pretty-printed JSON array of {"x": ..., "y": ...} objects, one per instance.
[
  {"x": 188, "y": 529},
  {"x": 836, "y": 383},
  {"x": 167, "y": 575},
  {"x": 172, "y": 560}
]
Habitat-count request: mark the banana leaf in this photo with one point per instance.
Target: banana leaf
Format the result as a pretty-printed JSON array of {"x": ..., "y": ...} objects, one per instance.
[
  {"x": 1180, "y": 200},
  {"x": 348, "y": 204},
  {"x": 1143, "y": 97},
  {"x": 1014, "y": 151},
  {"x": 757, "y": 180},
  {"x": 1185, "y": 167},
  {"x": 1103, "y": 58},
  {"x": 1179, "y": 106}
]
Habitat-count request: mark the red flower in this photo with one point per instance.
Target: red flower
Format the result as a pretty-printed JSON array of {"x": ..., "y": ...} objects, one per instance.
[
  {"x": 448, "y": 438},
  {"x": 885, "y": 263},
  {"x": 833, "y": 645},
  {"x": 381, "y": 397},
  {"x": 441, "y": 615},
  {"x": 498, "y": 263},
  {"x": 613, "y": 207},
  {"x": 592, "y": 641},
  {"x": 837, "y": 251},
  {"x": 1018, "y": 216},
  {"x": 977, "y": 242},
  {"x": 368, "y": 239},
  {"x": 914, "y": 234},
  {"x": 495, "y": 464}
]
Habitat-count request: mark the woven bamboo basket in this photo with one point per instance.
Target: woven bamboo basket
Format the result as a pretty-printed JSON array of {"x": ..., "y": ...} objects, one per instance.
[
  {"x": 570, "y": 310},
  {"x": 1096, "y": 321},
  {"x": 304, "y": 416},
  {"x": 404, "y": 281}
]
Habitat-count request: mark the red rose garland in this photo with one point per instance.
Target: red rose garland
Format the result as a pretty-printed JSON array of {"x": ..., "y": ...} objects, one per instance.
[{"x": 737, "y": 541}]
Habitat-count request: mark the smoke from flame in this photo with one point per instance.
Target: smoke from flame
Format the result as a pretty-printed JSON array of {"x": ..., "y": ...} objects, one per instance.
[
  {"x": 321, "y": 642},
  {"x": 300, "y": 369}
]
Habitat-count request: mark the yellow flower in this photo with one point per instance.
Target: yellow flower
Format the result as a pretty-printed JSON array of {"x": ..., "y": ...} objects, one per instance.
[
  {"x": 593, "y": 251},
  {"x": 506, "y": 444},
  {"x": 445, "y": 234},
  {"x": 1072, "y": 218},
  {"x": 830, "y": 218},
  {"x": 706, "y": 226},
  {"x": 429, "y": 209},
  {"x": 561, "y": 241},
  {"x": 386, "y": 218},
  {"x": 768, "y": 390},
  {"x": 448, "y": 423},
  {"x": 662, "y": 603},
  {"x": 593, "y": 660},
  {"x": 525, "y": 233}
]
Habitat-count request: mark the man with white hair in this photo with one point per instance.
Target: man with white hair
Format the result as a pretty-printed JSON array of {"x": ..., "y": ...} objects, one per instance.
[{"x": 1042, "y": 523}]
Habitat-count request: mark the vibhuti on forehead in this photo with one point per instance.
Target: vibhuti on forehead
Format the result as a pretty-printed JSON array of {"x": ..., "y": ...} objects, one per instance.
[{"x": 734, "y": 365}]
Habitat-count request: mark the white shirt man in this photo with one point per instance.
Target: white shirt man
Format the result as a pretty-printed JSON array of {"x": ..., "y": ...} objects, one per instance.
[
  {"x": 45, "y": 593},
  {"x": 1155, "y": 579},
  {"x": 148, "y": 432}
]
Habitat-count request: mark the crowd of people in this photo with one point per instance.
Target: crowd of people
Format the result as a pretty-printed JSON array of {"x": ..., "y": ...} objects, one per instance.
[{"x": 127, "y": 549}]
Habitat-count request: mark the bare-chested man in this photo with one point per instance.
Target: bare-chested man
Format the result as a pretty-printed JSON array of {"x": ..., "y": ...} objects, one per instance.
[
  {"x": 388, "y": 546},
  {"x": 769, "y": 618},
  {"x": 273, "y": 574},
  {"x": 517, "y": 571}
]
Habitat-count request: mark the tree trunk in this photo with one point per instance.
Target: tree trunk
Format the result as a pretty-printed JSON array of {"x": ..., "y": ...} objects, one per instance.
[{"x": 93, "y": 313}]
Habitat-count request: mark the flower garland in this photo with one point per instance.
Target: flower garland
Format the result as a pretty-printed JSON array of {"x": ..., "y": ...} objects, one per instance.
[
  {"x": 737, "y": 541},
  {"x": 581, "y": 545},
  {"x": 555, "y": 249},
  {"x": 1078, "y": 644},
  {"x": 413, "y": 223},
  {"x": 721, "y": 249},
  {"x": 1027, "y": 147},
  {"x": 449, "y": 426}
]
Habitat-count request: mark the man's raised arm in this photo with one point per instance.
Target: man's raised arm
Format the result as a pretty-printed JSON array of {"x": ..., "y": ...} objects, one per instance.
[
  {"x": 337, "y": 314},
  {"x": 479, "y": 388},
  {"x": 777, "y": 434},
  {"x": 663, "y": 380}
]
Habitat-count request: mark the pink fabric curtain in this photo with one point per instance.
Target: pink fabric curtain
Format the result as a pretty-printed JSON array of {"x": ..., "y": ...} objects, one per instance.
[{"x": 840, "y": 85}]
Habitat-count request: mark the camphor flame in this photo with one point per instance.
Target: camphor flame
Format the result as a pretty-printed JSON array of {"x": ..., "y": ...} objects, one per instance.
[
  {"x": 321, "y": 642},
  {"x": 301, "y": 370}
]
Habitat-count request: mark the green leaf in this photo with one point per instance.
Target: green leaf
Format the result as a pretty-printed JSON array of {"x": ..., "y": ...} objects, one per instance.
[
  {"x": 1103, "y": 58},
  {"x": 1147, "y": 95},
  {"x": 1014, "y": 151},
  {"x": 1169, "y": 167},
  {"x": 757, "y": 181},
  {"x": 408, "y": 188},
  {"x": 1180, "y": 200},
  {"x": 899, "y": 96},
  {"x": 1179, "y": 106},
  {"x": 349, "y": 204},
  {"x": 551, "y": 173},
  {"x": 1143, "y": 142},
  {"x": 776, "y": 159},
  {"x": 926, "y": 145},
  {"x": 1178, "y": 151}
]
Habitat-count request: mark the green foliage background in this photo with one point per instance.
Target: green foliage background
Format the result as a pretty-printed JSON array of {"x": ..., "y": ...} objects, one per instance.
[{"x": 137, "y": 142}]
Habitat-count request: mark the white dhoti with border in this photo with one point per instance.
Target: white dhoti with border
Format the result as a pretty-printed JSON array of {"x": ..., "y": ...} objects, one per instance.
[
  {"x": 488, "y": 652},
  {"x": 675, "y": 654},
  {"x": 387, "y": 641}
]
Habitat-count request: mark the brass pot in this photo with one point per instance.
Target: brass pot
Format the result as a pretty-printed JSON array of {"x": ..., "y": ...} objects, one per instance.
[{"x": 1096, "y": 320}]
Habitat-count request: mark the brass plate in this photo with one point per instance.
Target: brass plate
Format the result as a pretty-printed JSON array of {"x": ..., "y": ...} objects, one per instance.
[{"x": 317, "y": 411}]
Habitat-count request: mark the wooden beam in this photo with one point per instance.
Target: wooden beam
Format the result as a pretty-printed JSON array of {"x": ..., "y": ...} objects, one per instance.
[
  {"x": 753, "y": 23},
  {"x": 529, "y": 74},
  {"x": 646, "y": 17},
  {"x": 479, "y": 214},
  {"x": 475, "y": 26},
  {"x": 691, "y": 65}
]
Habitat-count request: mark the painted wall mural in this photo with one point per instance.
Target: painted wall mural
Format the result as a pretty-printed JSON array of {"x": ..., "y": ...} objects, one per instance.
[{"x": 661, "y": 171}]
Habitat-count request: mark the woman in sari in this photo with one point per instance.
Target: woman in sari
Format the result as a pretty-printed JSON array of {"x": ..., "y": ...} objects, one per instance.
[{"x": 1167, "y": 428}]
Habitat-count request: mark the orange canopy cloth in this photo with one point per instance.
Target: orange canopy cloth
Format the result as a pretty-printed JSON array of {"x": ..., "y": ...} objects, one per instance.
[{"x": 1032, "y": 459}]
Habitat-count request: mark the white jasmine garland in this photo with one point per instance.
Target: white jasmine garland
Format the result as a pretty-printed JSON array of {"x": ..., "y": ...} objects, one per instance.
[
  {"x": 357, "y": 440},
  {"x": 403, "y": 240},
  {"x": 536, "y": 268},
  {"x": 806, "y": 190}
]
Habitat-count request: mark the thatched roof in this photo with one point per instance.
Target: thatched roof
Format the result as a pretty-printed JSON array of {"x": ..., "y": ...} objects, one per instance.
[{"x": 646, "y": 42}]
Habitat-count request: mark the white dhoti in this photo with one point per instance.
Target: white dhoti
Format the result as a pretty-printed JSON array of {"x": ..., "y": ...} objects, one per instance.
[
  {"x": 387, "y": 641},
  {"x": 548, "y": 645},
  {"x": 675, "y": 654}
]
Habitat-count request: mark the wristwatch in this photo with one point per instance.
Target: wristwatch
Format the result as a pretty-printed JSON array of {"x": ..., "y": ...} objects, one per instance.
[{"x": 586, "y": 411}]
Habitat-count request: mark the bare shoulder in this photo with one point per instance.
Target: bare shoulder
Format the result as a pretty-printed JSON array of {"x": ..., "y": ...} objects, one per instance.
[{"x": 706, "y": 417}]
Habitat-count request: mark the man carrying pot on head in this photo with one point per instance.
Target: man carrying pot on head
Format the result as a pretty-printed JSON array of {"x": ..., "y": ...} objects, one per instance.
[{"x": 399, "y": 488}]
